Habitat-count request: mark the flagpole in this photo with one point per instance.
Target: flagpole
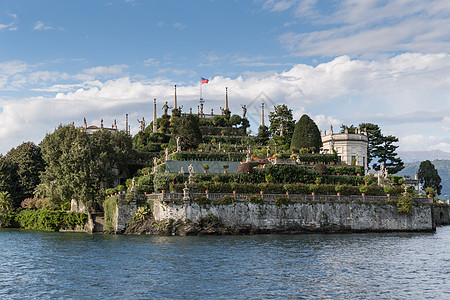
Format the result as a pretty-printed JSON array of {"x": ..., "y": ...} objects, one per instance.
[{"x": 201, "y": 83}]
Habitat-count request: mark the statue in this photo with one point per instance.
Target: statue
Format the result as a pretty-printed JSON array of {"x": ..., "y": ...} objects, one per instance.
[
  {"x": 220, "y": 144},
  {"x": 132, "y": 184},
  {"x": 190, "y": 110},
  {"x": 155, "y": 165},
  {"x": 191, "y": 174},
  {"x": 166, "y": 154},
  {"x": 178, "y": 144},
  {"x": 222, "y": 111},
  {"x": 142, "y": 124},
  {"x": 115, "y": 124},
  {"x": 85, "y": 123},
  {"x": 101, "y": 123},
  {"x": 191, "y": 170},
  {"x": 186, "y": 197},
  {"x": 182, "y": 171},
  {"x": 212, "y": 112},
  {"x": 201, "y": 108},
  {"x": 166, "y": 108},
  {"x": 357, "y": 159},
  {"x": 281, "y": 129},
  {"x": 244, "y": 111}
]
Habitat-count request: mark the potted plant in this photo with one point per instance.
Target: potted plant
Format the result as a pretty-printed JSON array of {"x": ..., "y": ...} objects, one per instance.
[
  {"x": 225, "y": 166},
  {"x": 318, "y": 180},
  {"x": 367, "y": 180},
  {"x": 205, "y": 168},
  {"x": 388, "y": 190},
  {"x": 313, "y": 188},
  {"x": 339, "y": 189},
  {"x": 363, "y": 190},
  {"x": 430, "y": 192}
]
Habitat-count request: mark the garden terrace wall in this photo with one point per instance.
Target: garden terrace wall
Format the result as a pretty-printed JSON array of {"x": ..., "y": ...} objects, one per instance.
[{"x": 300, "y": 214}]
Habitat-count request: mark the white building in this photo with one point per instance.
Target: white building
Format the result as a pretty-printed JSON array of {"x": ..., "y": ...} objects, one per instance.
[{"x": 351, "y": 148}]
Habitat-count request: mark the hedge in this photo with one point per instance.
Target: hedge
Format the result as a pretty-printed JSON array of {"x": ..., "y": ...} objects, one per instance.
[
  {"x": 47, "y": 220},
  {"x": 219, "y": 156},
  {"x": 277, "y": 188}
]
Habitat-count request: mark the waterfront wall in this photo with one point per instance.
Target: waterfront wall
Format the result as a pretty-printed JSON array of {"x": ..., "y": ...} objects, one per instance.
[
  {"x": 319, "y": 213},
  {"x": 124, "y": 215}
]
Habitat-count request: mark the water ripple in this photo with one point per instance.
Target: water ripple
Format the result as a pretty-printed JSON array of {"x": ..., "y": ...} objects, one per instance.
[{"x": 350, "y": 266}]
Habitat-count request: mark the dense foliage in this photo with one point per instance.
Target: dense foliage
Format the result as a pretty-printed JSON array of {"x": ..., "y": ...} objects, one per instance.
[
  {"x": 281, "y": 124},
  {"x": 216, "y": 156},
  {"x": 43, "y": 220},
  {"x": 80, "y": 166},
  {"x": 306, "y": 134},
  {"x": 429, "y": 176},
  {"x": 188, "y": 129},
  {"x": 28, "y": 159}
]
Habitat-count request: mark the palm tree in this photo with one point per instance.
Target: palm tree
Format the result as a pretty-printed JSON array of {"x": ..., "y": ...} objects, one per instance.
[{"x": 5, "y": 202}]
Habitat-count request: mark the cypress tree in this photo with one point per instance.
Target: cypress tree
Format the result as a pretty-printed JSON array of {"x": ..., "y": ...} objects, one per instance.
[
  {"x": 306, "y": 134},
  {"x": 429, "y": 176}
]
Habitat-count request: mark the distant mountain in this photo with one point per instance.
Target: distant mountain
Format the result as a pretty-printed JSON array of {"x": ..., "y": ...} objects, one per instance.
[
  {"x": 443, "y": 168},
  {"x": 412, "y": 156}
]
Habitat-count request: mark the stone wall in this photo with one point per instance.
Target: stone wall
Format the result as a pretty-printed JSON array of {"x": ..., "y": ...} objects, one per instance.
[
  {"x": 441, "y": 214},
  {"x": 124, "y": 215},
  {"x": 331, "y": 216}
]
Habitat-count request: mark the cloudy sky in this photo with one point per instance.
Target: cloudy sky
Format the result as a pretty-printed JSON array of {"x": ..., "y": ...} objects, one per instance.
[{"x": 341, "y": 62}]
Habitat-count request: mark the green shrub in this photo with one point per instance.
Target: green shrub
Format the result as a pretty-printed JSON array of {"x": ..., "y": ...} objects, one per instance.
[
  {"x": 281, "y": 200},
  {"x": 219, "y": 156},
  {"x": 404, "y": 204},
  {"x": 49, "y": 220},
  {"x": 227, "y": 200},
  {"x": 255, "y": 200},
  {"x": 339, "y": 188},
  {"x": 8, "y": 220},
  {"x": 202, "y": 201},
  {"x": 109, "y": 207},
  {"x": 313, "y": 188}
]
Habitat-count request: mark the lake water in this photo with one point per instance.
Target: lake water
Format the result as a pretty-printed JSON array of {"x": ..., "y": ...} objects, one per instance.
[{"x": 339, "y": 266}]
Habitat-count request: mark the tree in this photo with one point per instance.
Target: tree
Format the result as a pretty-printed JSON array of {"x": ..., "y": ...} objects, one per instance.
[
  {"x": 263, "y": 134},
  {"x": 351, "y": 128},
  {"x": 81, "y": 166},
  {"x": 235, "y": 120},
  {"x": 188, "y": 129},
  {"x": 429, "y": 176},
  {"x": 375, "y": 139},
  {"x": 6, "y": 203},
  {"x": 281, "y": 118},
  {"x": 306, "y": 134},
  {"x": 30, "y": 164},
  {"x": 9, "y": 180},
  {"x": 385, "y": 151}
]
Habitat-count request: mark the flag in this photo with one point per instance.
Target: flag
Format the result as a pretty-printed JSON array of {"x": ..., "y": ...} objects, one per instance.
[{"x": 204, "y": 80}]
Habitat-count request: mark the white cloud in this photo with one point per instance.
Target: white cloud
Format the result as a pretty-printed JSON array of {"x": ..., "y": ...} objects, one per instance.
[
  {"x": 40, "y": 26},
  {"x": 9, "y": 26},
  {"x": 368, "y": 28},
  {"x": 179, "y": 26},
  {"x": 115, "y": 70},
  {"x": 151, "y": 62}
]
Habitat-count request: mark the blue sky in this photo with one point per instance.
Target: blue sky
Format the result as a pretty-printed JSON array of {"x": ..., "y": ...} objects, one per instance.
[{"x": 385, "y": 62}]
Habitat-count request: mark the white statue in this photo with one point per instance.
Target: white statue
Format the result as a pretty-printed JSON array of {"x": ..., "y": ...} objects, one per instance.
[{"x": 178, "y": 144}]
